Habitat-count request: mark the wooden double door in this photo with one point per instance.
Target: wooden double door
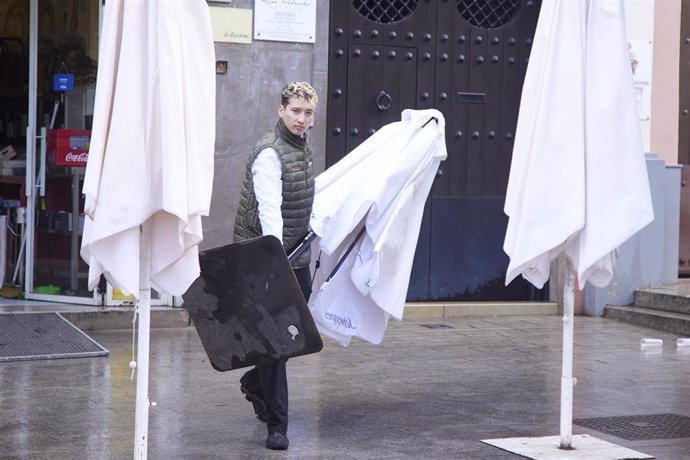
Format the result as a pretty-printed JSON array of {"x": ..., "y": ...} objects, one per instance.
[{"x": 466, "y": 58}]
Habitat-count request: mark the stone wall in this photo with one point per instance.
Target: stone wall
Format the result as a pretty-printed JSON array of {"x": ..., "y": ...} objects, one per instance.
[{"x": 247, "y": 99}]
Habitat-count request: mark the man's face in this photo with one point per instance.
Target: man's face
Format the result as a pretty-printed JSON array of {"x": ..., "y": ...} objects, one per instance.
[{"x": 298, "y": 115}]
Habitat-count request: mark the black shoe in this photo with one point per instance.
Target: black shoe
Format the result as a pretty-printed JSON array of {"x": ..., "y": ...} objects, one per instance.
[
  {"x": 257, "y": 402},
  {"x": 277, "y": 441}
]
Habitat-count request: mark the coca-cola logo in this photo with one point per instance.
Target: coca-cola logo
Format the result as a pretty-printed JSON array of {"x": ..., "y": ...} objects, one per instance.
[{"x": 75, "y": 157}]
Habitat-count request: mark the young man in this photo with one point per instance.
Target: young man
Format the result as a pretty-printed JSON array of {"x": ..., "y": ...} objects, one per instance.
[{"x": 277, "y": 197}]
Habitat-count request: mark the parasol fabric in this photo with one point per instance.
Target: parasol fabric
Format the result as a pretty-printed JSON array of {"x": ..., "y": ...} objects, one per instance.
[
  {"x": 618, "y": 198},
  {"x": 152, "y": 144},
  {"x": 578, "y": 181},
  {"x": 545, "y": 195},
  {"x": 380, "y": 187}
]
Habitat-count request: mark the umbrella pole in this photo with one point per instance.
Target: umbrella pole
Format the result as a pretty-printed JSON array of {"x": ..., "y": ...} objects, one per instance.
[
  {"x": 567, "y": 380},
  {"x": 141, "y": 422}
]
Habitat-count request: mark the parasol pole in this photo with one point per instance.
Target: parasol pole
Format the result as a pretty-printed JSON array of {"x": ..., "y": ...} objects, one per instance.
[
  {"x": 567, "y": 380},
  {"x": 141, "y": 421}
]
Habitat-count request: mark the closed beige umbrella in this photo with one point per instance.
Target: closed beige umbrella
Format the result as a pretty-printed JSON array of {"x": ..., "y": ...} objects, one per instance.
[
  {"x": 578, "y": 181},
  {"x": 150, "y": 170}
]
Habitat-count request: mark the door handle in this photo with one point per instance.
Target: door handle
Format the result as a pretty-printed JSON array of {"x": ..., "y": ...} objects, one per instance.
[{"x": 383, "y": 101}]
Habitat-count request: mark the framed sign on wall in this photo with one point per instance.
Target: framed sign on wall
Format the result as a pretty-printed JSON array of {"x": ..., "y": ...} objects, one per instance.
[
  {"x": 231, "y": 25},
  {"x": 285, "y": 20}
]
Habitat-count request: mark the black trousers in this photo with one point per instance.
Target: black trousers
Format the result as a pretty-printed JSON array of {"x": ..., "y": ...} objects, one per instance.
[{"x": 271, "y": 378}]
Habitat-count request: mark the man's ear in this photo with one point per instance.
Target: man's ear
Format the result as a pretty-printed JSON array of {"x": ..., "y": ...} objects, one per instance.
[{"x": 281, "y": 109}]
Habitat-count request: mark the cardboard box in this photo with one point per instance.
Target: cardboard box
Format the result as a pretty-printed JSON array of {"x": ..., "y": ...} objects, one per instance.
[{"x": 68, "y": 147}]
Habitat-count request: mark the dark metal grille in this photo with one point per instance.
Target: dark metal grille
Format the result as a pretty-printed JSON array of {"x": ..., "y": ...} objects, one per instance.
[
  {"x": 640, "y": 427},
  {"x": 488, "y": 14},
  {"x": 25, "y": 336},
  {"x": 385, "y": 11}
]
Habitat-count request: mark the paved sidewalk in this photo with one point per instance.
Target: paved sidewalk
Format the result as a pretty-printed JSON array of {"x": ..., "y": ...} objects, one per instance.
[{"x": 424, "y": 393}]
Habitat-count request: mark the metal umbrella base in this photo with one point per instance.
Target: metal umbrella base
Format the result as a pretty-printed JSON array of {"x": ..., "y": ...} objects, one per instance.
[{"x": 548, "y": 447}]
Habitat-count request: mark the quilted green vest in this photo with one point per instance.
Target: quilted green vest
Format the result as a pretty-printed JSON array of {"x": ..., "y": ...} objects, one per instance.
[{"x": 298, "y": 191}]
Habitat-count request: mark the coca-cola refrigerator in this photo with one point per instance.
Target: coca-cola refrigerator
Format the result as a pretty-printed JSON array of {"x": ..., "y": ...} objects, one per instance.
[{"x": 68, "y": 147}]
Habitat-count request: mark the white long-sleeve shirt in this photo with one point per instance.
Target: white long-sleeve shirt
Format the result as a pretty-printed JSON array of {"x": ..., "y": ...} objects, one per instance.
[{"x": 267, "y": 171}]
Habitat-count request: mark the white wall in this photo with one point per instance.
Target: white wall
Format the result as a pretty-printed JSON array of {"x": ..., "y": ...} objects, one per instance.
[{"x": 639, "y": 21}]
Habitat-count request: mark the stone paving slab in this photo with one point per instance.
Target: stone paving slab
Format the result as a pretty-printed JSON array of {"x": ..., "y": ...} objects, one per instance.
[{"x": 423, "y": 393}]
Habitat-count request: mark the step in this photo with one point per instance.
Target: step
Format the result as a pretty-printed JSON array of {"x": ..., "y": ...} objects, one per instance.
[
  {"x": 663, "y": 298},
  {"x": 113, "y": 318},
  {"x": 415, "y": 310},
  {"x": 676, "y": 323},
  {"x": 121, "y": 317}
]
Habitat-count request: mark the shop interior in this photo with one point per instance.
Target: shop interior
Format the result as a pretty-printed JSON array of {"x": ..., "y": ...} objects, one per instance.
[{"x": 48, "y": 226}]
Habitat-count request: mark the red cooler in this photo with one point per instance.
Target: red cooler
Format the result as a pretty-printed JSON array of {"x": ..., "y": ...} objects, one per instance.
[{"x": 68, "y": 147}]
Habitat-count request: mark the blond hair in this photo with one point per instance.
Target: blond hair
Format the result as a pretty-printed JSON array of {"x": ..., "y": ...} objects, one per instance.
[{"x": 300, "y": 89}]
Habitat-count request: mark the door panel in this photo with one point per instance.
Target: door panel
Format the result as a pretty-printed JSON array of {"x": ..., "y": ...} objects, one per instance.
[
  {"x": 466, "y": 58},
  {"x": 493, "y": 160},
  {"x": 467, "y": 251},
  {"x": 356, "y": 68},
  {"x": 512, "y": 84},
  {"x": 372, "y": 81},
  {"x": 381, "y": 83},
  {"x": 426, "y": 64},
  {"x": 418, "y": 289},
  {"x": 337, "y": 82},
  {"x": 443, "y": 80}
]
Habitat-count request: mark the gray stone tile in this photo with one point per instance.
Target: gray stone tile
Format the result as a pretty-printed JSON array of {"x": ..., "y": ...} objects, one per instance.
[{"x": 422, "y": 393}]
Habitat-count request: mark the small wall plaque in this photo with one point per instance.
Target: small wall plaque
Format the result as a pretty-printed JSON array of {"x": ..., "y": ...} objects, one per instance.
[
  {"x": 221, "y": 67},
  {"x": 285, "y": 20},
  {"x": 231, "y": 25}
]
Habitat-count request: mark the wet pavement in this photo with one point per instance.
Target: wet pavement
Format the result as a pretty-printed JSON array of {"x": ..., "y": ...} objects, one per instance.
[{"x": 432, "y": 390}]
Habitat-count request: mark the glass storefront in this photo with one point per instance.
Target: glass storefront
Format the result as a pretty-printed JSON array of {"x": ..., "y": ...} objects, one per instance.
[{"x": 48, "y": 64}]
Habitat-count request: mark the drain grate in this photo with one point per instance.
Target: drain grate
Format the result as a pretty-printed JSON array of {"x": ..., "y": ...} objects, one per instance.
[
  {"x": 26, "y": 336},
  {"x": 437, "y": 326},
  {"x": 640, "y": 427}
]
